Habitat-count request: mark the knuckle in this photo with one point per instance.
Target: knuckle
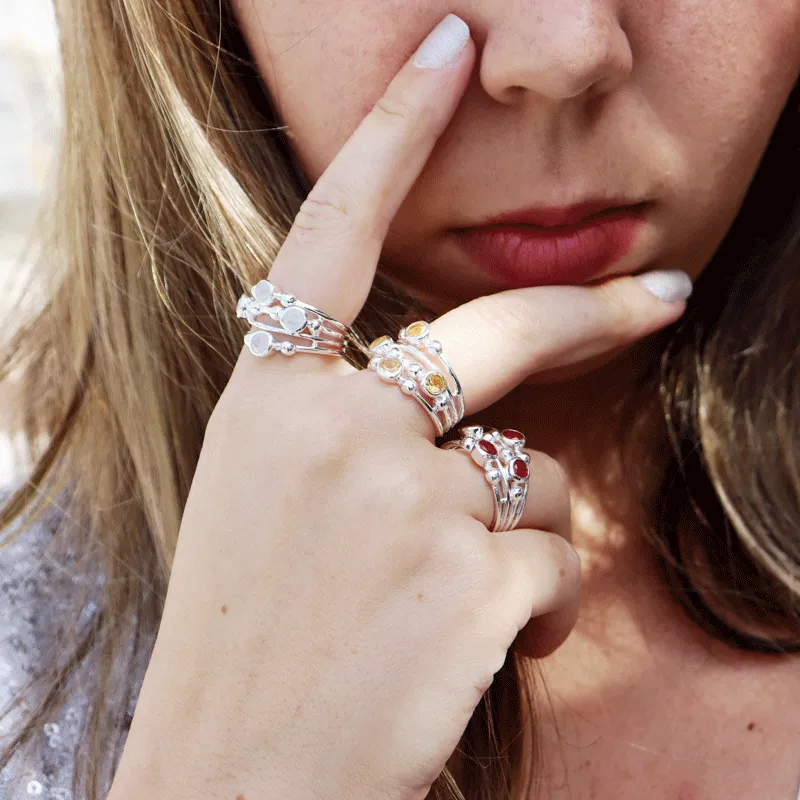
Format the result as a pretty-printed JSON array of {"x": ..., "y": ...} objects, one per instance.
[
  {"x": 519, "y": 325},
  {"x": 328, "y": 209},
  {"x": 397, "y": 112}
]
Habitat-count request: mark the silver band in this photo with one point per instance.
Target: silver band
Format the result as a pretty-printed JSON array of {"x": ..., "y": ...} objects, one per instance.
[
  {"x": 506, "y": 466},
  {"x": 312, "y": 330},
  {"x": 416, "y": 364}
]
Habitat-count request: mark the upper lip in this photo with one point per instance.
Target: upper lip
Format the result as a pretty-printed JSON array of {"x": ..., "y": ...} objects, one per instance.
[{"x": 558, "y": 217}]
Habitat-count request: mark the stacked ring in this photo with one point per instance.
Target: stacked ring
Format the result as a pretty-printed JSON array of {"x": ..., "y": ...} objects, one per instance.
[
  {"x": 314, "y": 330},
  {"x": 506, "y": 466},
  {"x": 415, "y": 362}
]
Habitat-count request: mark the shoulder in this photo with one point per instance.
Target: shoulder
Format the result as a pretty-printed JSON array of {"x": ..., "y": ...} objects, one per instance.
[{"x": 28, "y": 602}]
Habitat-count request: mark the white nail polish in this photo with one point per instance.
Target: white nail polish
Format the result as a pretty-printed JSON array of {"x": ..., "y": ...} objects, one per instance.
[
  {"x": 443, "y": 43},
  {"x": 671, "y": 285}
]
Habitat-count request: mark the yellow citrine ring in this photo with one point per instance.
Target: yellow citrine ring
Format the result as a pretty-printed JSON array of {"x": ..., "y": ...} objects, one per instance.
[{"x": 416, "y": 364}]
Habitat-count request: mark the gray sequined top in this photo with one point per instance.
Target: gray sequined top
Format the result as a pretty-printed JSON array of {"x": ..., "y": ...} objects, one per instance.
[
  {"x": 31, "y": 584},
  {"x": 25, "y": 579}
]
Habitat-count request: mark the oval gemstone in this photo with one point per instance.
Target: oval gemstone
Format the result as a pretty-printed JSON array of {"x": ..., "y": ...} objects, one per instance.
[
  {"x": 390, "y": 367},
  {"x": 259, "y": 343},
  {"x": 416, "y": 329},
  {"x": 513, "y": 436},
  {"x": 293, "y": 319},
  {"x": 487, "y": 448},
  {"x": 264, "y": 291},
  {"x": 379, "y": 341},
  {"x": 520, "y": 469},
  {"x": 435, "y": 384}
]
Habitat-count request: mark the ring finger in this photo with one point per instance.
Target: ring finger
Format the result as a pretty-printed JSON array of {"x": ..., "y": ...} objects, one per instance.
[{"x": 547, "y": 506}]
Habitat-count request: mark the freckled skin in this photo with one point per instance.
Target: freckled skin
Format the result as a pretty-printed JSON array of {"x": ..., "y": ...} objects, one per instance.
[{"x": 665, "y": 100}]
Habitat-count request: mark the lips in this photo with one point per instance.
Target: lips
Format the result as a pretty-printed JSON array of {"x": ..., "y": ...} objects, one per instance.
[{"x": 553, "y": 246}]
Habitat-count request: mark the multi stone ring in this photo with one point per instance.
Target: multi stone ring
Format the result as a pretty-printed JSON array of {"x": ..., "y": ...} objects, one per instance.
[
  {"x": 506, "y": 467},
  {"x": 415, "y": 362},
  {"x": 312, "y": 330}
]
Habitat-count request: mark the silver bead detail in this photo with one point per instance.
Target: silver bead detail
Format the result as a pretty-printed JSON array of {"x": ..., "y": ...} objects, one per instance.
[
  {"x": 288, "y": 349},
  {"x": 435, "y": 346},
  {"x": 315, "y": 326},
  {"x": 408, "y": 386},
  {"x": 415, "y": 370},
  {"x": 35, "y": 787}
]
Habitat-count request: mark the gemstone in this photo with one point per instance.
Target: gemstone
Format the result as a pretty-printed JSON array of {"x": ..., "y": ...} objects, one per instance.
[
  {"x": 509, "y": 434},
  {"x": 389, "y": 368},
  {"x": 520, "y": 469},
  {"x": 487, "y": 448},
  {"x": 264, "y": 291},
  {"x": 259, "y": 343},
  {"x": 293, "y": 319},
  {"x": 379, "y": 341},
  {"x": 416, "y": 329},
  {"x": 435, "y": 383}
]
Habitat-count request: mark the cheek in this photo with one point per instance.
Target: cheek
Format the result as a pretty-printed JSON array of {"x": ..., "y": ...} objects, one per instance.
[
  {"x": 326, "y": 62},
  {"x": 717, "y": 75}
]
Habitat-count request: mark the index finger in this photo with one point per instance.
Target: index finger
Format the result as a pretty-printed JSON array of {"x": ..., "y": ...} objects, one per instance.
[{"x": 331, "y": 253}]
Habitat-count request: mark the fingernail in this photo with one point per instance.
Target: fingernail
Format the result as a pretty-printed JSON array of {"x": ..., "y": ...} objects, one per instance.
[
  {"x": 443, "y": 43},
  {"x": 671, "y": 285}
]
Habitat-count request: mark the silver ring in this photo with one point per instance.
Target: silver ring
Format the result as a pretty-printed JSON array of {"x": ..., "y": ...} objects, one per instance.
[
  {"x": 415, "y": 362},
  {"x": 313, "y": 330},
  {"x": 506, "y": 467}
]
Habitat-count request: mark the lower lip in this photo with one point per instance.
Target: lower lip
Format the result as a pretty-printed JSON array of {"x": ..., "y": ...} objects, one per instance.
[{"x": 571, "y": 254}]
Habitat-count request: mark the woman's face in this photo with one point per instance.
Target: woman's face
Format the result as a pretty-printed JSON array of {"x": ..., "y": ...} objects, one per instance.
[{"x": 669, "y": 102}]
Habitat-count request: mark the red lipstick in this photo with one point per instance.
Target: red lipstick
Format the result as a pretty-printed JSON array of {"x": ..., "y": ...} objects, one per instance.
[{"x": 553, "y": 245}]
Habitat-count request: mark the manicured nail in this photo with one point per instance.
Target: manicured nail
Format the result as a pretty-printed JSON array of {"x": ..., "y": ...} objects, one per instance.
[
  {"x": 671, "y": 285},
  {"x": 443, "y": 43}
]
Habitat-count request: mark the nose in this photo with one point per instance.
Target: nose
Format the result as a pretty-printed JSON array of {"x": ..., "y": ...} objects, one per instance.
[{"x": 557, "y": 49}]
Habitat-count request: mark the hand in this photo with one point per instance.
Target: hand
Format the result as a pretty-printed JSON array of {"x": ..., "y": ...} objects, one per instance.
[{"x": 337, "y": 605}]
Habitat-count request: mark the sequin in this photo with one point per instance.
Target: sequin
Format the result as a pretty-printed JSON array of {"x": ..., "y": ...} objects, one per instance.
[{"x": 32, "y": 591}]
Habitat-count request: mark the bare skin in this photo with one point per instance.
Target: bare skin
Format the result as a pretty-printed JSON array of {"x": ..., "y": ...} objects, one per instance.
[{"x": 683, "y": 97}]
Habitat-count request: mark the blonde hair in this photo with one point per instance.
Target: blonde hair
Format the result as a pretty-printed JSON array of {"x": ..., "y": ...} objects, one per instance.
[{"x": 176, "y": 188}]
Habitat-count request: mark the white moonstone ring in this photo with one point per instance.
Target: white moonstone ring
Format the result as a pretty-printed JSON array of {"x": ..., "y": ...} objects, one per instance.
[
  {"x": 507, "y": 469},
  {"x": 302, "y": 327}
]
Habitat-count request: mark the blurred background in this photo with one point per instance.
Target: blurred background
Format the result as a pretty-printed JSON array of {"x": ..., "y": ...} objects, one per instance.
[{"x": 29, "y": 130}]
